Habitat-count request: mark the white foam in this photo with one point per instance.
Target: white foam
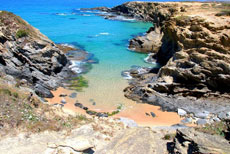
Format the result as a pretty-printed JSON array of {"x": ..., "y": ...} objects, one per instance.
[
  {"x": 68, "y": 45},
  {"x": 87, "y": 11},
  {"x": 75, "y": 66},
  {"x": 148, "y": 59},
  {"x": 104, "y": 33},
  {"x": 87, "y": 15},
  {"x": 126, "y": 75},
  {"x": 61, "y": 14},
  {"x": 122, "y": 18}
]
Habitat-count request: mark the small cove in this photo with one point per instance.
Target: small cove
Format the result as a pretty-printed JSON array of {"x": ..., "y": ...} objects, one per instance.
[{"x": 107, "y": 40}]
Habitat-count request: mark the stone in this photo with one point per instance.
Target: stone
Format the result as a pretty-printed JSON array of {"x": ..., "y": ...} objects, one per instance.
[
  {"x": 101, "y": 114},
  {"x": 91, "y": 112},
  {"x": 181, "y": 112},
  {"x": 42, "y": 91},
  {"x": 224, "y": 115},
  {"x": 193, "y": 141},
  {"x": 216, "y": 119},
  {"x": 201, "y": 121},
  {"x": 85, "y": 108},
  {"x": 73, "y": 95},
  {"x": 153, "y": 114},
  {"x": 79, "y": 105},
  {"x": 62, "y": 95},
  {"x": 10, "y": 79},
  {"x": 63, "y": 101},
  {"x": 79, "y": 144},
  {"x": 186, "y": 120},
  {"x": 128, "y": 122},
  {"x": 23, "y": 82},
  {"x": 202, "y": 115}
]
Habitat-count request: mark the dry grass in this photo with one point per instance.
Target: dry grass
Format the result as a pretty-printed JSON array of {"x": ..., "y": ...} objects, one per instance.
[
  {"x": 16, "y": 24},
  {"x": 19, "y": 111},
  {"x": 221, "y": 128}
]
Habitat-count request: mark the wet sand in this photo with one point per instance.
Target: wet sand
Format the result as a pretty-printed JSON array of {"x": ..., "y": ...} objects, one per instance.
[{"x": 130, "y": 109}]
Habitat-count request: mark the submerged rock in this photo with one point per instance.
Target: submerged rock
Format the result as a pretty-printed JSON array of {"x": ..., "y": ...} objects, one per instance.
[{"x": 73, "y": 95}]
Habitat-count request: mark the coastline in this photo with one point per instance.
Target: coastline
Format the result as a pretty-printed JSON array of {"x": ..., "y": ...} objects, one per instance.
[
  {"x": 130, "y": 109},
  {"x": 62, "y": 125}
]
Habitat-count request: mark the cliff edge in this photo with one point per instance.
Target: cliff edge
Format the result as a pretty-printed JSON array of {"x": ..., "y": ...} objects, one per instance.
[
  {"x": 27, "y": 54},
  {"x": 191, "y": 42}
]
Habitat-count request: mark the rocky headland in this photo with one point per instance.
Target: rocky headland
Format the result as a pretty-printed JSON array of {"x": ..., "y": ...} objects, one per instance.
[
  {"x": 190, "y": 41},
  {"x": 29, "y": 56}
]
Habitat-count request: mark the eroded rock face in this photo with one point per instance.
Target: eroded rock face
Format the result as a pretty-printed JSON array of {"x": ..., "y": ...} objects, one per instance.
[
  {"x": 191, "y": 141},
  {"x": 196, "y": 54},
  {"x": 149, "y": 43},
  {"x": 194, "y": 51},
  {"x": 146, "y": 11},
  {"x": 153, "y": 12},
  {"x": 25, "y": 53}
]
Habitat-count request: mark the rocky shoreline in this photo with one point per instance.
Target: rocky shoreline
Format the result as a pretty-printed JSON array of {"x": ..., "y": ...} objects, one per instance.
[
  {"x": 192, "y": 49},
  {"x": 29, "y": 56}
]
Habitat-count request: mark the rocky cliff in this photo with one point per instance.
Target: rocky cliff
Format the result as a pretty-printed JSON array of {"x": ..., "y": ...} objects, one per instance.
[
  {"x": 156, "y": 13},
  {"x": 191, "y": 43},
  {"x": 27, "y": 54}
]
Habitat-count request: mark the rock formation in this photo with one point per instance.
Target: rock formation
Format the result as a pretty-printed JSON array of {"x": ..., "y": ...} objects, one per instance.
[
  {"x": 25, "y": 53},
  {"x": 192, "y": 45}
]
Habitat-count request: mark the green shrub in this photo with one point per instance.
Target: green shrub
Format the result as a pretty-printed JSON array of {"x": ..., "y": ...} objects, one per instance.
[
  {"x": 6, "y": 92},
  {"x": 21, "y": 33},
  {"x": 224, "y": 13},
  {"x": 217, "y": 128},
  {"x": 169, "y": 136}
]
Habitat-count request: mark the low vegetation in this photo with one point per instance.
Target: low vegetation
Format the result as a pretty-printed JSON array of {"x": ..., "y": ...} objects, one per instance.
[
  {"x": 78, "y": 83},
  {"x": 17, "y": 26},
  {"x": 169, "y": 136},
  {"x": 22, "y": 111},
  {"x": 221, "y": 128},
  {"x": 21, "y": 33},
  {"x": 224, "y": 13}
]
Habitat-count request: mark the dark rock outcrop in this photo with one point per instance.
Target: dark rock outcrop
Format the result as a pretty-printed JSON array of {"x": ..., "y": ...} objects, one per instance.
[
  {"x": 25, "y": 53},
  {"x": 151, "y": 12}
]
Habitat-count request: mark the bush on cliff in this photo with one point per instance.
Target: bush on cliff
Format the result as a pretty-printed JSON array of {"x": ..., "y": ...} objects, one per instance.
[{"x": 21, "y": 33}]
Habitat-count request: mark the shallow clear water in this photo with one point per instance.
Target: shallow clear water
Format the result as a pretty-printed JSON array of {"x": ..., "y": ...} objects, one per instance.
[{"x": 62, "y": 22}]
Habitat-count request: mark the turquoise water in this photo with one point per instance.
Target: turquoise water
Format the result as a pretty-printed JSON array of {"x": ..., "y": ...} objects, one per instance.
[
  {"x": 106, "y": 39},
  {"x": 62, "y": 22}
]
